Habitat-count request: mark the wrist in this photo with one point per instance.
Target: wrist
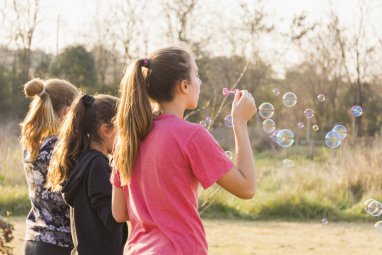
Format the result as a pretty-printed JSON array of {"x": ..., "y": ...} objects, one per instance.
[
  {"x": 240, "y": 127},
  {"x": 239, "y": 122}
]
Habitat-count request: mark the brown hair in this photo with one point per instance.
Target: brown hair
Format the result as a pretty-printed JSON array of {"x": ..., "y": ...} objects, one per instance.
[
  {"x": 43, "y": 118},
  {"x": 81, "y": 126},
  {"x": 154, "y": 78}
]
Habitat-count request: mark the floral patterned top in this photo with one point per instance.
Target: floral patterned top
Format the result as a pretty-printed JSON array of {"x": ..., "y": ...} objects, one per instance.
[{"x": 48, "y": 220}]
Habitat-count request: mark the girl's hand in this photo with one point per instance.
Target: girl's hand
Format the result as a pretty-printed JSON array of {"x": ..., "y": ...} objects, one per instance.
[{"x": 243, "y": 107}]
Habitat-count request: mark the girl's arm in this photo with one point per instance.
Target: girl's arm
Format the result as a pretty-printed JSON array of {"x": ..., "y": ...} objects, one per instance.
[
  {"x": 241, "y": 180},
  {"x": 118, "y": 205},
  {"x": 100, "y": 194}
]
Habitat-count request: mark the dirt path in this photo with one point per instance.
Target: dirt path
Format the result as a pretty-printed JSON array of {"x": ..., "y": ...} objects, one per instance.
[{"x": 277, "y": 238}]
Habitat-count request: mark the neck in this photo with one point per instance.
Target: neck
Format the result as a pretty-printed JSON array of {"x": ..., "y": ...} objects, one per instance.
[
  {"x": 172, "y": 108},
  {"x": 99, "y": 147}
]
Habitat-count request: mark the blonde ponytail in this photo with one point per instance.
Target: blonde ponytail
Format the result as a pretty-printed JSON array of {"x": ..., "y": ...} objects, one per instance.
[
  {"x": 43, "y": 118},
  {"x": 134, "y": 118}
]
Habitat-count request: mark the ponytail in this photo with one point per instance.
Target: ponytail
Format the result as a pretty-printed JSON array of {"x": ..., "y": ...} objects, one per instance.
[
  {"x": 72, "y": 141},
  {"x": 153, "y": 78},
  {"x": 134, "y": 118},
  {"x": 80, "y": 127},
  {"x": 42, "y": 119}
]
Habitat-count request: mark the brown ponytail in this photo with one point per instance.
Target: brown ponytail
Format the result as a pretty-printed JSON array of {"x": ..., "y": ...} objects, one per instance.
[
  {"x": 81, "y": 126},
  {"x": 154, "y": 78},
  {"x": 43, "y": 118}
]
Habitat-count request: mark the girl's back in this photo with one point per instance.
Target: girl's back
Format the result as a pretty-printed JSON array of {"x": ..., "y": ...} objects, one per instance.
[
  {"x": 173, "y": 159},
  {"x": 93, "y": 227},
  {"x": 48, "y": 220}
]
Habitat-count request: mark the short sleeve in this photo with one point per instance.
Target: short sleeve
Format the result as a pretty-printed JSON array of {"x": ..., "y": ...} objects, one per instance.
[
  {"x": 207, "y": 159},
  {"x": 115, "y": 179}
]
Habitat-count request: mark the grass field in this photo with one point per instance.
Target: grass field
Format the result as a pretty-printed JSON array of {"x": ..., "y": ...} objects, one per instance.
[
  {"x": 333, "y": 184},
  {"x": 227, "y": 237},
  {"x": 285, "y": 215}
]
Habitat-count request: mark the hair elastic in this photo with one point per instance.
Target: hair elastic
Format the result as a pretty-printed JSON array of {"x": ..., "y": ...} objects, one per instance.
[
  {"x": 87, "y": 100},
  {"x": 42, "y": 92},
  {"x": 145, "y": 62}
]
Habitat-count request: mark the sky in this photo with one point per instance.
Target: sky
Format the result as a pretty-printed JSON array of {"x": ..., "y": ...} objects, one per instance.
[{"x": 77, "y": 21}]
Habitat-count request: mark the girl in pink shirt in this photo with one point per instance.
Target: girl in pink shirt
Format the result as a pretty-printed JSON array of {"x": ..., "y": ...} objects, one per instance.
[{"x": 160, "y": 158}]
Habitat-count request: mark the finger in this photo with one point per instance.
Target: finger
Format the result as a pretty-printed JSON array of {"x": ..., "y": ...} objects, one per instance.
[
  {"x": 237, "y": 96},
  {"x": 244, "y": 93}
]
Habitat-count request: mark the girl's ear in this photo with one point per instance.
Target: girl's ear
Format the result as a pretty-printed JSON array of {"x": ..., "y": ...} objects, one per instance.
[
  {"x": 106, "y": 130},
  {"x": 184, "y": 87}
]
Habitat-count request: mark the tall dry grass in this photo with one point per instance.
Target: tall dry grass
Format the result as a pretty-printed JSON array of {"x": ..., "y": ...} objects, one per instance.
[
  {"x": 13, "y": 186},
  {"x": 334, "y": 184}
]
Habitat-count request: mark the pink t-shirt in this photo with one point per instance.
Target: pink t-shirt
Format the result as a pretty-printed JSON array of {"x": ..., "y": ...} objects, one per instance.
[{"x": 162, "y": 196}]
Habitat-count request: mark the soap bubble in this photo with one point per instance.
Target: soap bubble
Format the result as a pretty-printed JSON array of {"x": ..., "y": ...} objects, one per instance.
[
  {"x": 300, "y": 124},
  {"x": 268, "y": 125},
  {"x": 308, "y": 113},
  {"x": 356, "y": 111},
  {"x": 229, "y": 154},
  {"x": 373, "y": 207},
  {"x": 203, "y": 123},
  {"x": 325, "y": 221},
  {"x": 208, "y": 121},
  {"x": 332, "y": 139},
  {"x": 321, "y": 98},
  {"x": 378, "y": 226},
  {"x": 276, "y": 91},
  {"x": 285, "y": 138},
  {"x": 289, "y": 99},
  {"x": 288, "y": 163},
  {"x": 274, "y": 135},
  {"x": 341, "y": 130},
  {"x": 228, "y": 121},
  {"x": 315, "y": 127},
  {"x": 266, "y": 110}
]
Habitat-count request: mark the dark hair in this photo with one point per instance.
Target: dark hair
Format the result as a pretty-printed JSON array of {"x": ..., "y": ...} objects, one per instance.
[
  {"x": 152, "y": 78},
  {"x": 81, "y": 126}
]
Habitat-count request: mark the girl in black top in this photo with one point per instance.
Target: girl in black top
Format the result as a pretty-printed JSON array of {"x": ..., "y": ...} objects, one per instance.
[{"x": 80, "y": 169}]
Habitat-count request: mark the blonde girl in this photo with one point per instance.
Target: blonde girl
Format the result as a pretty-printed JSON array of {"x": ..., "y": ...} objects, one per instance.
[{"x": 47, "y": 224}]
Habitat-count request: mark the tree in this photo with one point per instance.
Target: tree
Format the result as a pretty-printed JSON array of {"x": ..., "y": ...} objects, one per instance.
[
  {"x": 339, "y": 54},
  {"x": 77, "y": 65},
  {"x": 127, "y": 28},
  {"x": 26, "y": 21},
  {"x": 180, "y": 16},
  {"x": 255, "y": 23}
]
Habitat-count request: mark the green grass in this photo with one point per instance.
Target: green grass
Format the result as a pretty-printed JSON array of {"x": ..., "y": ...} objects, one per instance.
[
  {"x": 14, "y": 200},
  {"x": 332, "y": 184},
  {"x": 13, "y": 187}
]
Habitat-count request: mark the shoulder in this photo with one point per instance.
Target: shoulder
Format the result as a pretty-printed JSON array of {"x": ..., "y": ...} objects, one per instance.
[
  {"x": 173, "y": 126},
  {"x": 201, "y": 136},
  {"x": 99, "y": 162},
  {"x": 47, "y": 146},
  {"x": 49, "y": 143},
  {"x": 46, "y": 149}
]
